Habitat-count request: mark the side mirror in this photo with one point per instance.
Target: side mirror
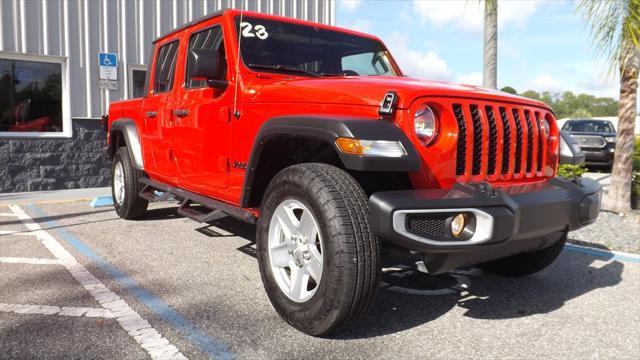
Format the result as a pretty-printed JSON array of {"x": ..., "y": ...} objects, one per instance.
[{"x": 205, "y": 64}]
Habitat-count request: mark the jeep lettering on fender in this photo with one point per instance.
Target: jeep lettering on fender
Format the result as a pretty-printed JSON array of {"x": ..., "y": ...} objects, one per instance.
[{"x": 313, "y": 134}]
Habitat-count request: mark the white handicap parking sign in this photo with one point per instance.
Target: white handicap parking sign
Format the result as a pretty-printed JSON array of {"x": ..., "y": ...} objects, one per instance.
[{"x": 108, "y": 63}]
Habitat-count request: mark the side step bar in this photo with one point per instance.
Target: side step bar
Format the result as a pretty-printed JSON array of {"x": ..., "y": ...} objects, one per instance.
[{"x": 218, "y": 208}]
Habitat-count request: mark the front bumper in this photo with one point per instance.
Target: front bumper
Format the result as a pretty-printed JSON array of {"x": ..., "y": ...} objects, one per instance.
[
  {"x": 602, "y": 156},
  {"x": 521, "y": 216}
]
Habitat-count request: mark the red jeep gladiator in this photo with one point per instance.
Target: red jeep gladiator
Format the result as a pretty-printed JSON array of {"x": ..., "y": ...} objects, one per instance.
[{"x": 314, "y": 134}]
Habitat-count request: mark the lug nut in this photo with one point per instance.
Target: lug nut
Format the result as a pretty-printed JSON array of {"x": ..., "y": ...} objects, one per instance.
[
  {"x": 306, "y": 255},
  {"x": 304, "y": 240}
]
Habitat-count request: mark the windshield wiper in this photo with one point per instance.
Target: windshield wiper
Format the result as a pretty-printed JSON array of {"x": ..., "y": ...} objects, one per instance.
[{"x": 286, "y": 68}]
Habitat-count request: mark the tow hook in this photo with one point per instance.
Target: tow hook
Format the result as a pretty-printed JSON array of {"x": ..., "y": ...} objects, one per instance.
[{"x": 486, "y": 189}]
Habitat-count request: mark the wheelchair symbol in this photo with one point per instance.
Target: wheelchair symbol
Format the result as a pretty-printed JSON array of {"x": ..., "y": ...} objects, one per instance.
[{"x": 106, "y": 61}]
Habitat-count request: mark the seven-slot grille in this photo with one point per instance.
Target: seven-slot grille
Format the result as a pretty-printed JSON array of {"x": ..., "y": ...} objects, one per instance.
[{"x": 499, "y": 141}]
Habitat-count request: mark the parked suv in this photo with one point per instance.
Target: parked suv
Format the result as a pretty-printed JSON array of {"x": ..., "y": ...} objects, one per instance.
[
  {"x": 596, "y": 138},
  {"x": 314, "y": 134}
]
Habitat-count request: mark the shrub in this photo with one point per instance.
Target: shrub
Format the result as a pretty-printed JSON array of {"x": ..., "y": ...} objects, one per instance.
[{"x": 571, "y": 171}]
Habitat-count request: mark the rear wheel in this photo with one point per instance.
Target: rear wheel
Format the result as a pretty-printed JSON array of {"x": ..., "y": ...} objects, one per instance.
[
  {"x": 526, "y": 263},
  {"x": 318, "y": 259},
  {"x": 125, "y": 187}
]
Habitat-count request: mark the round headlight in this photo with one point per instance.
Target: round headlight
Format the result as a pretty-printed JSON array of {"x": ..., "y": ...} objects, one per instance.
[{"x": 425, "y": 124}]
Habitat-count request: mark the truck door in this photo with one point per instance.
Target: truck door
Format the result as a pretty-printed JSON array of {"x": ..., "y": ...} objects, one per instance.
[
  {"x": 203, "y": 122},
  {"x": 157, "y": 111}
]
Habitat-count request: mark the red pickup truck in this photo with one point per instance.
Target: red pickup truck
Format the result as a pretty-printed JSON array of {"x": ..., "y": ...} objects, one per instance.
[{"x": 314, "y": 134}]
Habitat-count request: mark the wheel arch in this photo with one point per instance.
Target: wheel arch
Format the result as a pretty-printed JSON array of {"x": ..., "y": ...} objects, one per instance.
[
  {"x": 317, "y": 135},
  {"x": 124, "y": 132}
]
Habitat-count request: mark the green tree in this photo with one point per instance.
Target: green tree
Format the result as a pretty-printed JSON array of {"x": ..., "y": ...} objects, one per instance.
[
  {"x": 531, "y": 94},
  {"x": 510, "y": 90},
  {"x": 568, "y": 104},
  {"x": 581, "y": 113},
  {"x": 616, "y": 33}
]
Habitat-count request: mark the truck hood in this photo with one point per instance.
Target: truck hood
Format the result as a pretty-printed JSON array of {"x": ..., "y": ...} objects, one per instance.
[{"x": 369, "y": 90}]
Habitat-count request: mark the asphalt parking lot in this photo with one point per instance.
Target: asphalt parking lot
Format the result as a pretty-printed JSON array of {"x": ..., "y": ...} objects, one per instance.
[{"x": 77, "y": 282}]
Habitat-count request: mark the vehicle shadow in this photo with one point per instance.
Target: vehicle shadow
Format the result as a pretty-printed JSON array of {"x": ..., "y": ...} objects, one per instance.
[
  {"x": 161, "y": 213},
  {"x": 420, "y": 298},
  {"x": 491, "y": 297}
]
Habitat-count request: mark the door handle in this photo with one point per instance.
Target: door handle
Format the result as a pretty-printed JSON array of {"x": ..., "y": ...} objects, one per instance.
[
  {"x": 180, "y": 112},
  {"x": 151, "y": 114}
]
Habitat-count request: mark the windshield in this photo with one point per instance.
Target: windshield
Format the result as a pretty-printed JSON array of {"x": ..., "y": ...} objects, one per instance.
[
  {"x": 276, "y": 46},
  {"x": 588, "y": 126}
]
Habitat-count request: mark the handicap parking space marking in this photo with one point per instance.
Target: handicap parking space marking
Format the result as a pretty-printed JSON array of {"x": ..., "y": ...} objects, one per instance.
[
  {"x": 113, "y": 306},
  {"x": 608, "y": 255},
  {"x": 213, "y": 347}
]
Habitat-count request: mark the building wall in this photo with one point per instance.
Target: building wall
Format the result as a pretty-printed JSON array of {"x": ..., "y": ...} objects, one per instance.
[
  {"x": 48, "y": 164},
  {"x": 80, "y": 29},
  {"x": 77, "y": 30}
]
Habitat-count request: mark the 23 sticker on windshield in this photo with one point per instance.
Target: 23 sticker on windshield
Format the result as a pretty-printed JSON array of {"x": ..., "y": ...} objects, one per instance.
[{"x": 249, "y": 30}]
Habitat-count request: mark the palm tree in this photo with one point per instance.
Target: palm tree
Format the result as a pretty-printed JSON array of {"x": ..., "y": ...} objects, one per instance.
[
  {"x": 490, "y": 58},
  {"x": 616, "y": 32}
]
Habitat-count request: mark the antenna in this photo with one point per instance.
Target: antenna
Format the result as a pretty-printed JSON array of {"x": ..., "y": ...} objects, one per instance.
[{"x": 236, "y": 113}]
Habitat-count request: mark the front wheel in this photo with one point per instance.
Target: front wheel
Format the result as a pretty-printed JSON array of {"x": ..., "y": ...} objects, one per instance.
[
  {"x": 125, "y": 187},
  {"x": 319, "y": 261}
]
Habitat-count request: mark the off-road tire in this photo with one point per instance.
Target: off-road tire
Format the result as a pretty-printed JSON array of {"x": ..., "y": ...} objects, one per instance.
[
  {"x": 133, "y": 206},
  {"x": 351, "y": 253},
  {"x": 526, "y": 263}
]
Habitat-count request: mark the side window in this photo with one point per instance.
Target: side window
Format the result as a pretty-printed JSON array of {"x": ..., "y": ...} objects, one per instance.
[
  {"x": 165, "y": 67},
  {"x": 365, "y": 64},
  {"x": 210, "y": 39}
]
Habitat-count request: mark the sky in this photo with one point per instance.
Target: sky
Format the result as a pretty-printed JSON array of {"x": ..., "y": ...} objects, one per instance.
[{"x": 543, "y": 45}]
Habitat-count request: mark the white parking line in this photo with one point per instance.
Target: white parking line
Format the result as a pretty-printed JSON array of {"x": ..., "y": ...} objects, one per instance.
[
  {"x": 32, "y": 261},
  {"x": 56, "y": 310},
  {"x": 139, "y": 328}
]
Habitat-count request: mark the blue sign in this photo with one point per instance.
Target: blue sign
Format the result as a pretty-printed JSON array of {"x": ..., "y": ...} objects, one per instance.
[{"x": 108, "y": 59}]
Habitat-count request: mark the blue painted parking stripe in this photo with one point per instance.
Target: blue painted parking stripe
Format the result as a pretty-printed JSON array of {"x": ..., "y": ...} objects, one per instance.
[
  {"x": 101, "y": 201},
  {"x": 212, "y": 347},
  {"x": 608, "y": 255}
]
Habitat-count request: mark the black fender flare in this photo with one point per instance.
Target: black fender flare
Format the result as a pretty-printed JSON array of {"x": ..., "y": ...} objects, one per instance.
[
  {"x": 129, "y": 130},
  {"x": 328, "y": 129}
]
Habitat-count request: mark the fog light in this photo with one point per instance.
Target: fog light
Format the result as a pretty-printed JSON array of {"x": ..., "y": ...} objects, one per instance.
[
  {"x": 462, "y": 226},
  {"x": 457, "y": 225}
]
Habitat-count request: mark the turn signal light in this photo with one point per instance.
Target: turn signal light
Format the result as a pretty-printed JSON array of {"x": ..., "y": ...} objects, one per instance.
[
  {"x": 383, "y": 148},
  {"x": 350, "y": 146}
]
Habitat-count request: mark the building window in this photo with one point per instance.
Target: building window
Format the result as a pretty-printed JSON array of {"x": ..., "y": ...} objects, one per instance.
[
  {"x": 137, "y": 74},
  {"x": 33, "y": 101}
]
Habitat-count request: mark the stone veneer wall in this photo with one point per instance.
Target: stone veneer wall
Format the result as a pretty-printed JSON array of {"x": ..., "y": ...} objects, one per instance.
[{"x": 35, "y": 164}]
